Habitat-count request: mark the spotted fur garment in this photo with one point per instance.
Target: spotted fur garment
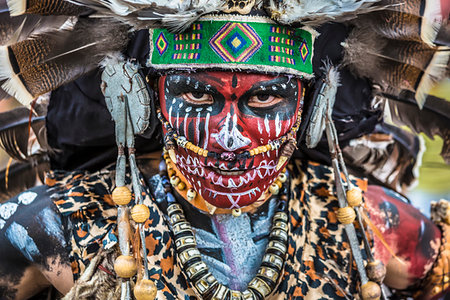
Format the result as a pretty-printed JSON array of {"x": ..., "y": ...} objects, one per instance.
[{"x": 318, "y": 265}]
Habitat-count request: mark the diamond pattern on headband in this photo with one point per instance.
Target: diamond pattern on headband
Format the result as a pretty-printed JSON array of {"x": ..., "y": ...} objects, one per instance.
[
  {"x": 304, "y": 51},
  {"x": 235, "y": 42},
  {"x": 161, "y": 44}
]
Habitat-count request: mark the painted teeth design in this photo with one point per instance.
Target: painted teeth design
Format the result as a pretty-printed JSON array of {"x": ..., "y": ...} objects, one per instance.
[
  {"x": 192, "y": 167},
  {"x": 230, "y": 173}
]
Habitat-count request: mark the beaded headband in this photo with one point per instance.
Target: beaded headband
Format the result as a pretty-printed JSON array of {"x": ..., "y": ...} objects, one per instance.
[{"x": 247, "y": 43}]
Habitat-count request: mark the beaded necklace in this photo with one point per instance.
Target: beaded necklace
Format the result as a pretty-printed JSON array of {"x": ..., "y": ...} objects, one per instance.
[{"x": 197, "y": 271}]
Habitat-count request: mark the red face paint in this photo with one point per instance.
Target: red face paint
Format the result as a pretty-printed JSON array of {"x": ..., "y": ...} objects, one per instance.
[{"x": 229, "y": 113}]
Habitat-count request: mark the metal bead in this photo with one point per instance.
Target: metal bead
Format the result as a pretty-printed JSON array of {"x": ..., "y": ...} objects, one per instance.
[
  {"x": 346, "y": 215},
  {"x": 274, "y": 189},
  {"x": 370, "y": 291},
  {"x": 354, "y": 197},
  {"x": 140, "y": 213},
  {"x": 236, "y": 212},
  {"x": 191, "y": 194},
  {"x": 376, "y": 271},
  {"x": 121, "y": 195},
  {"x": 174, "y": 180},
  {"x": 181, "y": 186},
  {"x": 145, "y": 289},
  {"x": 125, "y": 266}
]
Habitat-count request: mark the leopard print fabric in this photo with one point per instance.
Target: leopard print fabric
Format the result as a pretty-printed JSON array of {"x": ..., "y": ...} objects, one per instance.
[{"x": 318, "y": 265}]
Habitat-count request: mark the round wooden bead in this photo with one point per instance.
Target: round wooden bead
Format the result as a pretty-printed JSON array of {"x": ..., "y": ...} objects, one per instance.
[
  {"x": 346, "y": 215},
  {"x": 140, "y": 213},
  {"x": 125, "y": 266},
  {"x": 236, "y": 212},
  {"x": 191, "y": 194},
  {"x": 274, "y": 189},
  {"x": 376, "y": 271},
  {"x": 370, "y": 291},
  {"x": 145, "y": 289},
  {"x": 174, "y": 180},
  {"x": 121, "y": 195},
  {"x": 354, "y": 197}
]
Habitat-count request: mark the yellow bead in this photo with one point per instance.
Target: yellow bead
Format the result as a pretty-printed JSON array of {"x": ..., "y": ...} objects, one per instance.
[
  {"x": 256, "y": 150},
  {"x": 354, "y": 197},
  {"x": 205, "y": 153},
  {"x": 125, "y": 266},
  {"x": 236, "y": 212},
  {"x": 140, "y": 213},
  {"x": 277, "y": 182},
  {"x": 370, "y": 291},
  {"x": 200, "y": 152},
  {"x": 121, "y": 195},
  {"x": 282, "y": 177},
  {"x": 166, "y": 156},
  {"x": 191, "y": 194},
  {"x": 274, "y": 189},
  {"x": 252, "y": 152},
  {"x": 145, "y": 289},
  {"x": 171, "y": 172},
  {"x": 174, "y": 180},
  {"x": 181, "y": 186},
  {"x": 346, "y": 215}
]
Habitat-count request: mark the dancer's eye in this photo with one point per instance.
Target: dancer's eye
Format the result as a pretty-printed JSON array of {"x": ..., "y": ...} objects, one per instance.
[
  {"x": 198, "y": 98},
  {"x": 264, "y": 100}
]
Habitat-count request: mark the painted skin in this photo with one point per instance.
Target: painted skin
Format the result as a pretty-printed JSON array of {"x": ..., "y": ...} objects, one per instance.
[
  {"x": 24, "y": 271},
  {"x": 229, "y": 114}
]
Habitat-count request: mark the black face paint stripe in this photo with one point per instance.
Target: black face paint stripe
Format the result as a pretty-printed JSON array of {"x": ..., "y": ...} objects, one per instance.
[{"x": 234, "y": 81}]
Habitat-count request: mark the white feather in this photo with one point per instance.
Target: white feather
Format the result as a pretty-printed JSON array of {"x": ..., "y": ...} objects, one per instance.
[{"x": 13, "y": 85}]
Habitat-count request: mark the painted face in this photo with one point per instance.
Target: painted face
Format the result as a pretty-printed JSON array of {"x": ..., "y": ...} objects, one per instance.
[{"x": 229, "y": 114}]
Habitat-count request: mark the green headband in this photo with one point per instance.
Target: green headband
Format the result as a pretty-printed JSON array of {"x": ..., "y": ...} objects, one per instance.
[{"x": 246, "y": 43}]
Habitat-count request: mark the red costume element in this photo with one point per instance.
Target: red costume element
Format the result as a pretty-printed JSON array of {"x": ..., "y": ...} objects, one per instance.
[
  {"x": 413, "y": 239},
  {"x": 230, "y": 114}
]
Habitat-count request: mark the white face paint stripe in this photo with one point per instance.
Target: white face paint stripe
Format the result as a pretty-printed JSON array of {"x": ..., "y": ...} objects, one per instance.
[
  {"x": 170, "y": 116},
  {"x": 277, "y": 125},
  {"x": 266, "y": 124},
  {"x": 260, "y": 128},
  {"x": 185, "y": 124},
  {"x": 197, "y": 129},
  {"x": 205, "y": 145}
]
